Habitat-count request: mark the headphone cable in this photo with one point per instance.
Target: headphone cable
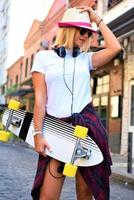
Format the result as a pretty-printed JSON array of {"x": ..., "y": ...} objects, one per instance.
[{"x": 73, "y": 78}]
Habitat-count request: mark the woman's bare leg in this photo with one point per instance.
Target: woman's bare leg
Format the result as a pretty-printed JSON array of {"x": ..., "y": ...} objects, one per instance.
[
  {"x": 82, "y": 190},
  {"x": 53, "y": 182}
]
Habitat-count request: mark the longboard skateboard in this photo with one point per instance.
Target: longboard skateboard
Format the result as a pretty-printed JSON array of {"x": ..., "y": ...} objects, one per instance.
[{"x": 70, "y": 144}]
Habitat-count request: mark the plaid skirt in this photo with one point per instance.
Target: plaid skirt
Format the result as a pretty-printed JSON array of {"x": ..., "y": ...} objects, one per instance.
[{"x": 96, "y": 177}]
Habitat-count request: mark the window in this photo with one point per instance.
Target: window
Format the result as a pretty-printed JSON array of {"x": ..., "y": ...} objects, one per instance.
[
  {"x": 3, "y": 89},
  {"x": 11, "y": 82},
  {"x": 26, "y": 67},
  {"x": 112, "y": 3},
  {"x": 94, "y": 85},
  {"x": 7, "y": 81},
  {"x": 102, "y": 85},
  {"x": 17, "y": 78},
  {"x": 21, "y": 65},
  {"x": 32, "y": 58},
  {"x": 116, "y": 106},
  {"x": 103, "y": 115}
]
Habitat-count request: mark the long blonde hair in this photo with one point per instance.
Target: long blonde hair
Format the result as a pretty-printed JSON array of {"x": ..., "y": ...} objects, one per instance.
[{"x": 65, "y": 37}]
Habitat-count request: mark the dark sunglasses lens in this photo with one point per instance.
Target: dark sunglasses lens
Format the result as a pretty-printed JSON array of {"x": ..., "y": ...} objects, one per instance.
[
  {"x": 89, "y": 33},
  {"x": 84, "y": 31}
]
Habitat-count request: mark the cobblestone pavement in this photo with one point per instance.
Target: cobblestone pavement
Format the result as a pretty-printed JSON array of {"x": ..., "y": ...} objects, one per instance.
[{"x": 17, "y": 170}]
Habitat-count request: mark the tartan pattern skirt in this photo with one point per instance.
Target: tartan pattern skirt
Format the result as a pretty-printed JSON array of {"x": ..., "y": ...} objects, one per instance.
[{"x": 96, "y": 177}]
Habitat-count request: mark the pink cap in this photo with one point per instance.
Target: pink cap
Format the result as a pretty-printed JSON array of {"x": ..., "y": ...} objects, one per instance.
[{"x": 74, "y": 18}]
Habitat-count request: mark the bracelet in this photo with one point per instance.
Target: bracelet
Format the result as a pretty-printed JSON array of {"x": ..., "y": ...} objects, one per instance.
[
  {"x": 36, "y": 132},
  {"x": 98, "y": 23}
]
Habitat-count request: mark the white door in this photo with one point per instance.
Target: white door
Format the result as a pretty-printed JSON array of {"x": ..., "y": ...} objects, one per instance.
[{"x": 131, "y": 111}]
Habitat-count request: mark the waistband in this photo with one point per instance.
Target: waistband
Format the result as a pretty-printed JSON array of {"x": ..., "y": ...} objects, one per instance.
[{"x": 75, "y": 117}]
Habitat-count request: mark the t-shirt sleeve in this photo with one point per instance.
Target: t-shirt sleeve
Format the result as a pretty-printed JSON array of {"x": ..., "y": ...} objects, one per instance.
[
  {"x": 90, "y": 54},
  {"x": 38, "y": 64}
]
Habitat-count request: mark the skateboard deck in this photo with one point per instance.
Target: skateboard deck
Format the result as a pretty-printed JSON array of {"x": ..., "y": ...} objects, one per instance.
[{"x": 59, "y": 135}]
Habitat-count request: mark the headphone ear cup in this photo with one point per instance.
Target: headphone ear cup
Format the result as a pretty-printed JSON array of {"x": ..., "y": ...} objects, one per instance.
[
  {"x": 60, "y": 51},
  {"x": 76, "y": 52}
]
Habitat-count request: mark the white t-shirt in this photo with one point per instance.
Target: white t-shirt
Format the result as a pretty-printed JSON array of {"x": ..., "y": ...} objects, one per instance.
[{"x": 61, "y": 75}]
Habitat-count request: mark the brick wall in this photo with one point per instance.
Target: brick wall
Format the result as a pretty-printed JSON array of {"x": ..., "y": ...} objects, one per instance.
[{"x": 13, "y": 72}]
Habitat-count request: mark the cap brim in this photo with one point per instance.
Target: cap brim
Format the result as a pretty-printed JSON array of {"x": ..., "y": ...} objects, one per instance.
[{"x": 77, "y": 24}]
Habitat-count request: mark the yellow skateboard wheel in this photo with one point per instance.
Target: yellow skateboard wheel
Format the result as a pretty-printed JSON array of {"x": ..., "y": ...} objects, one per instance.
[
  {"x": 14, "y": 105},
  {"x": 80, "y": 131},
  {"x": 4, "y": 136},
  {"x": 70, "y": 170}
]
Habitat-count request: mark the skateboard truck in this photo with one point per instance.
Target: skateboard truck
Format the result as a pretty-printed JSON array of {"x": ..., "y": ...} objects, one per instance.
[
  {"x": 15, "y": 121},
  {"x": 13, "y": 105},
  {"x": 79, "y": 152},
  {"x": 4, "y": 134}
]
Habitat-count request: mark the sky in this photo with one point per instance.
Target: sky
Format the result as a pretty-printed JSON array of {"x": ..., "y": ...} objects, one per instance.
[{"x": 23, "y": 13}]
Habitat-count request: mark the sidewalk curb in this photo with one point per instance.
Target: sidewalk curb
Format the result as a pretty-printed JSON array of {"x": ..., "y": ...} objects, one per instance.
[{"x": 126, "y": 178}]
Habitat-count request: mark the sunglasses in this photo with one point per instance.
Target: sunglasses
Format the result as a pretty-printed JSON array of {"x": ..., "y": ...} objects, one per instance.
[{"x": 83, "y": 31}]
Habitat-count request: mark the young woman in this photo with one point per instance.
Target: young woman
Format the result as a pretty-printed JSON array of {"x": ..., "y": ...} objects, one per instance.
[{"x": 61, "y": 83}]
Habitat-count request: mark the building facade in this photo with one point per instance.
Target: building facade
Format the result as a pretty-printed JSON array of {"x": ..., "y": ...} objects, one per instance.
[
  {"x": 11, "y": 36},
  {"x": 4, "y": 26},
  {"x": 120, "y": 19}
]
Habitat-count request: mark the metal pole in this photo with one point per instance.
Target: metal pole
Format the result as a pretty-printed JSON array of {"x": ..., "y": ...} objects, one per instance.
[{"x": 129, "y": 164}]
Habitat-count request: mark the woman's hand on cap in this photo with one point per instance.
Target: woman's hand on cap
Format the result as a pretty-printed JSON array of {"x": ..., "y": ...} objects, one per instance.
[{"x": 92, "y": 14}]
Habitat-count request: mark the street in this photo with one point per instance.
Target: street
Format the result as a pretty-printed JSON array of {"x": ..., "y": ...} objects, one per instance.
[{"x": 17, "y": 170}]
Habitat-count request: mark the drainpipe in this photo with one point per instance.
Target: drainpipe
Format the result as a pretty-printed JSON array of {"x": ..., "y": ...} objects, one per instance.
[{"x": 123, "y": 74}]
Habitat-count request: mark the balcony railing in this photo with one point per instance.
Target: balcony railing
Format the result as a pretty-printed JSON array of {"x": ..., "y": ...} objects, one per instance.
[
  {"x": 11, "y": 89},
  {"x": 112, "y": 3},
  {"x": 18, "y": 90}
]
